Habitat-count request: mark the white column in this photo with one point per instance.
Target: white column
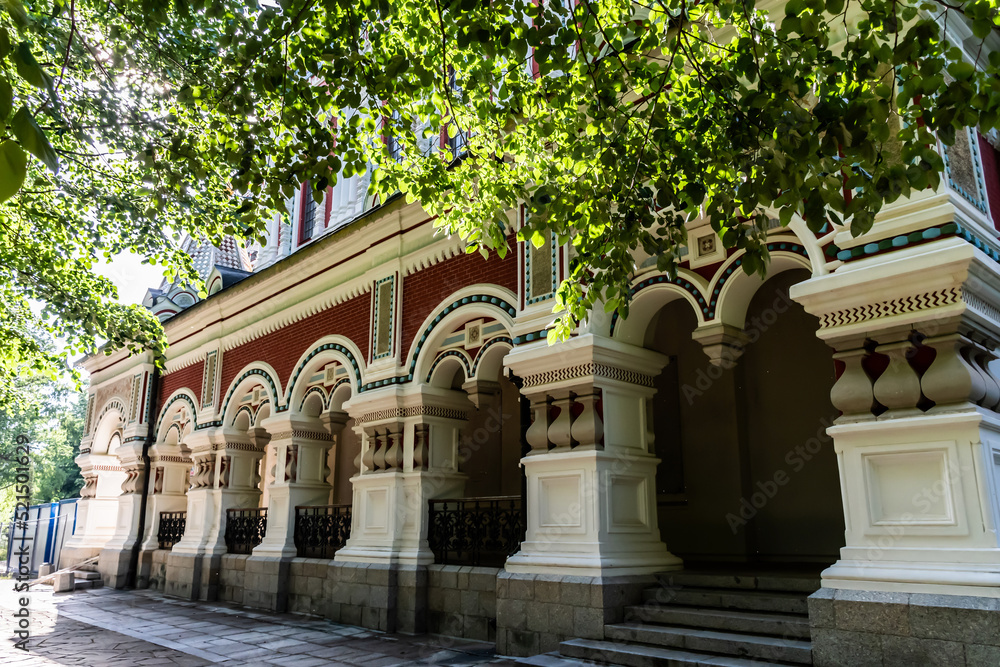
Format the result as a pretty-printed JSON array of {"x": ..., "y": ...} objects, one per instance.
[
  {"x": 225, "y": 475},
  {"x": 591, "y": 475},
  {"x": 409, "y": 455},
  {"x": 920, "y": 473},
  {"x": 170, "y": 473},
  {"x": 302, "y": 445}
]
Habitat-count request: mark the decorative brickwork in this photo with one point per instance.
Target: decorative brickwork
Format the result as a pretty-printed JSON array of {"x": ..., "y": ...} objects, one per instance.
[
  {"x": 425, "y": 290},
  {"x": 282, "y": 348},
  {"x": 189, "y": 377}
]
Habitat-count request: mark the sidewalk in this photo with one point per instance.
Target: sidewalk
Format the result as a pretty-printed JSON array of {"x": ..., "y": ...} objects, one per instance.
[{"x": 107, "y": 627}]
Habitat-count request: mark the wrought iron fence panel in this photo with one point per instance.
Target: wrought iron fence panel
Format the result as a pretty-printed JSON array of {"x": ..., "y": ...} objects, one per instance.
[
  {"x": 245, "y": 529},
  {"x": 171, "y": 528},
  {"x": 475, "y": 531},
  {"x": 321, "y": 530}
]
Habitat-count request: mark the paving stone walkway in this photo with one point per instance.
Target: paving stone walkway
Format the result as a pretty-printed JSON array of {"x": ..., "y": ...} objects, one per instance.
[{"x": 107, "y": 627}]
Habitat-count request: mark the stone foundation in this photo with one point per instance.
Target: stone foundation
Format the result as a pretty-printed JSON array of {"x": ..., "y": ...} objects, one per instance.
[
  {"x": 113, "y": 566},
  {"x": 462, "y": 601},
  {"x": 537, "y": 612},
  {"x": 362, "y": 594},
  {"x": 232, "y": 577},
  {"x": 193, "y": 577},
  {"x": 265, "y": 583},
  {"x": 153, "y": 569},
  {"x": 861, "y": 628}
]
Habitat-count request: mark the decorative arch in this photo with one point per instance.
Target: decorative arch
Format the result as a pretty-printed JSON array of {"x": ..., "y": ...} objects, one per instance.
[
  {"x": 650, "y": 294},
  {"x": 733, "y": 288},
  {"x": 182, "y": 395},
  {"x": 443, "y": 358},
  {"x": 486, "y": 300},
  {"x": 312, "y": 391},
  {"x": 256, "y": 373},
  {"x": 329, "y": 348},
  {"x": 102, "y": 432},
  {"x": 484, "y": 359}
]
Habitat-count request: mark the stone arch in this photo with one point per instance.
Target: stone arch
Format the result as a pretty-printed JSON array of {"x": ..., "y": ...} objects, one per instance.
[
  {"x": 257, "y": 373},
  {"x": 328, "y": 349},
  {"x": 447, "y": 367},
  {"x": 110, "y": 420},
  {"x": 464, "y": 305},
  {"x": 489, "y": 359},
  {"x": 181, "y": 398},
  {"x": 732, "y": 288},
  {"x": 651, "y": 294}
]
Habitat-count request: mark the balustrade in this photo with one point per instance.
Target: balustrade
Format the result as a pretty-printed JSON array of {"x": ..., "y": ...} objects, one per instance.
[
  {"x": 171, "y": 529},
  {"x": 245, "y": 529},
  {"x": 321, "y": 530},
  {"x": 475, "y": 531}
]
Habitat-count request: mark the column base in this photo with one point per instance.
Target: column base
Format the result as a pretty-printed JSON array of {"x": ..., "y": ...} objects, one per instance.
[
  {"x": 113, "y": 566},
  {"x": 858, "y": 628},
  {"x": 535, "y": 612},
  {"x": 943, "y": 578},
  {"x": 265, "y": 582},
  {"x": 193, "y": 576}
]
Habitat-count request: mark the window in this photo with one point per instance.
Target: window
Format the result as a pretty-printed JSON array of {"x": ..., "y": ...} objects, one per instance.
[
  {"x": 458, "y": 143},
  {"x": 392, "y": 143},
  {"x": 307, "y": 214}
]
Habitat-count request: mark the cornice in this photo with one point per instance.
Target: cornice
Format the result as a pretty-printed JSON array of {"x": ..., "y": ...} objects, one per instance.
[{"x": 339, "y": 271}]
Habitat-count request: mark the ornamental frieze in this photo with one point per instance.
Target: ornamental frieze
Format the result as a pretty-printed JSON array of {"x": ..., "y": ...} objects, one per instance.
[
  {"x": 413, "y": 411},
  {"x": 303, "y": 435},
  {"x": 586, "y": 370},
  {"x": 890, "y": 307}
]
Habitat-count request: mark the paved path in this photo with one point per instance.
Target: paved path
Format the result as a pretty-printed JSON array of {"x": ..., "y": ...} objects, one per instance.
[{"x": 107, "y": 627}]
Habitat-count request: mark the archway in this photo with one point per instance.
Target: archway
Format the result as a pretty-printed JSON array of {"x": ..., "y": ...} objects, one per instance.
[{"x": 746, "y": 473}]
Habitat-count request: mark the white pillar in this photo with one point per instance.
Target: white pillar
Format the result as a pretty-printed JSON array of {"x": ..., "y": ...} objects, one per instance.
[
  {"x": 170, "y": 471},
  {"x": 591, "y": 472},
  {"x": 409, "y": 455},
  {"x": 919, "y": 471},
  {"x": 302, "y": 445}
]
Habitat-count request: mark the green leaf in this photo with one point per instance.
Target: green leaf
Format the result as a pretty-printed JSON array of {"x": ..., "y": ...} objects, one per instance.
[
  {"x": 13, "y": 167},
  {"x": 4, "y": 42},
  {"x": 6, "y": 99},
  {"x": 28, "y": 67},
  {"x": 17, "y": 13},
  {"x": 33, "y": 139}
]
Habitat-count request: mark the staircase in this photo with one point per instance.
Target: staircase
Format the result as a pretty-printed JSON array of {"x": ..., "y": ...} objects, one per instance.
[
  {"x": 710, "y": 618},
  {"x": 83, "y": 579}
]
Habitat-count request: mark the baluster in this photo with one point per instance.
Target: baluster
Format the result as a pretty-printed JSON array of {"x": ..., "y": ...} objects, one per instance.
[{"x": 560, "y": 431}]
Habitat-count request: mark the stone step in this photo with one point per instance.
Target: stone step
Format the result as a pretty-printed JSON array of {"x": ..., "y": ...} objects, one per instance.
[
  {"x": 83, "y": 584},
  {"x": 761, "y": 623},
  {"x": 720, "y": 598},
  {"x": 714, "y": 642},
  {"x": 554, "y": 660},
  {"x": 637, "y": 655},
  {"x": 777, "y": 581},
  {"x": 86, "y": 574}
]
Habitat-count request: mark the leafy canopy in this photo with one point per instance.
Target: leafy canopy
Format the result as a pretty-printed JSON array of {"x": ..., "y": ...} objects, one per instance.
[{"x": 613, "y": 122}]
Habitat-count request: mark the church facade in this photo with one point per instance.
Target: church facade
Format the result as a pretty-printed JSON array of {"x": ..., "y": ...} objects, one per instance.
[{"x": 365, "y": 423}]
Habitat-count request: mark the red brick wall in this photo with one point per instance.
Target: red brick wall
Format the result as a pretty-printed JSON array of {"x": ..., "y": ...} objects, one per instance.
[
  {"x": 991, "y": 176},
  {"x": 189, "y": 377},
  {"x": 282, "y": 348},
  {"x": 426, "y": 289}
]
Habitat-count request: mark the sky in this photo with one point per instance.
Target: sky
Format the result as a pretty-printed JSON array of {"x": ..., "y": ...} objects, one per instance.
[{"x": 131, "y": 276}]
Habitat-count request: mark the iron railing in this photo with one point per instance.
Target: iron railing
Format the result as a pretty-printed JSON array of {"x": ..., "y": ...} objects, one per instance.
[
  {"x": 475, "y": 531},
  {"x": 320, "y": 530},
  {"x": 245, "y": 529},
  {"x": 171, "y": 528}
]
